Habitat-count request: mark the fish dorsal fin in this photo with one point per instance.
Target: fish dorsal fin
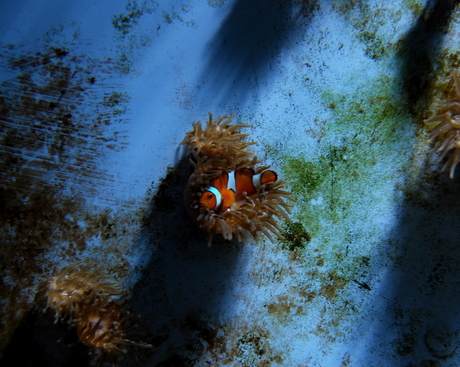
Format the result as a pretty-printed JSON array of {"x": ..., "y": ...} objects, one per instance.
[
  {"x": 243, "y": 181},
  {"x": 221, "y": 182}
]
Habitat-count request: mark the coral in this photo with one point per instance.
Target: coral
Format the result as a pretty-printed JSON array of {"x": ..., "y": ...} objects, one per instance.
[
  {"x": 221, "y": 148},
  {"x": 86, "y": 299},
  {"x": 448, "y": 129}
]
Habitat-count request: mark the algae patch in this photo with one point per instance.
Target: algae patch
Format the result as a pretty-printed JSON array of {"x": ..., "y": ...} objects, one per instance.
[
  {"x": 216, "y": 3},
  {"x": 118, "y": 101},
  {"x": 303, "y": 176},
  {"x": 360, "y": 142},
  {"x": 368, "y": 21},
  {"x": 345, "y": 193},
  {"x": 124, "y": 22},
  {"x": 295, "y": 236}
]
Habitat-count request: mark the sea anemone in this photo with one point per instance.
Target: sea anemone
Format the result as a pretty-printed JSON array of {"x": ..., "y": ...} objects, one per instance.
[
  {"x": 219, "y": 140},
  {"x": 67, "y": 293},
  {"x": 88, "y": 300},
  {"x": 221, "y": 148},
  {"x": 104, "y": 326},
  {"x": 448, "y": 129}
]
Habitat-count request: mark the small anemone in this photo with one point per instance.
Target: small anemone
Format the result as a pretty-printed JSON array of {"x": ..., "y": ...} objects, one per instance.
[
  {"x": 104, "y": 326},
  {"x": 68, "y": 292},
  {"x": 85, "y": 298},
  {"x": 448, "y": 129}
]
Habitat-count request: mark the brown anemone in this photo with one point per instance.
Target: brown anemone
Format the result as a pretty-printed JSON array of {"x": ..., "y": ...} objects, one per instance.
[
  {"x": 221, "y": 148},
  {"x": 86, "y": 299},
  {"x": 68, "y": 292},
  {"x": 104, "y": 326},
  {"x": 448, "y": 129}
]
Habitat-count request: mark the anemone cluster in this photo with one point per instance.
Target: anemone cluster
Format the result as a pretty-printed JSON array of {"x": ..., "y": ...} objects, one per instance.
[
  {"x": 87, "y": 300},
  {"x": 221, "y": 148},
  {"x": 448, "y": 129}
]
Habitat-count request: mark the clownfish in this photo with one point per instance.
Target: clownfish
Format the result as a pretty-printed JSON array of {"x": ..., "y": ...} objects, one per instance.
[{"x": 229, "y": 188}]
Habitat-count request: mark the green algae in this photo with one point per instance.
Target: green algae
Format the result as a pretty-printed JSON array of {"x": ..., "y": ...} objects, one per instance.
[
  {"x": 124, "y": 22},
  {"x": 374, "y": 113},
  {"x": 360, "y": 153},
  {"x": 117, "y": 101},
  {"x": 167, "y": 18},
  {"x": 416, "y": 6},
  {"x": 216, "y": 3},
  {"x": 449, "y": 61},
  {"x": 295, "y": 236},
  {"x": 375, "y": 47},
  {"x": 368, "y": 21},
  {"x": 303, "y": 176}
]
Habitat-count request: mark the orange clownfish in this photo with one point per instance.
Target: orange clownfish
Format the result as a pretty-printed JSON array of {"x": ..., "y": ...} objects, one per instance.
[{"x": 229, "y": 188}]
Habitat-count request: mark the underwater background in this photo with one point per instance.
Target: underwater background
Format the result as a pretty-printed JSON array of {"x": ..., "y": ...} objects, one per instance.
[{"x": 95, "y": 99}]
